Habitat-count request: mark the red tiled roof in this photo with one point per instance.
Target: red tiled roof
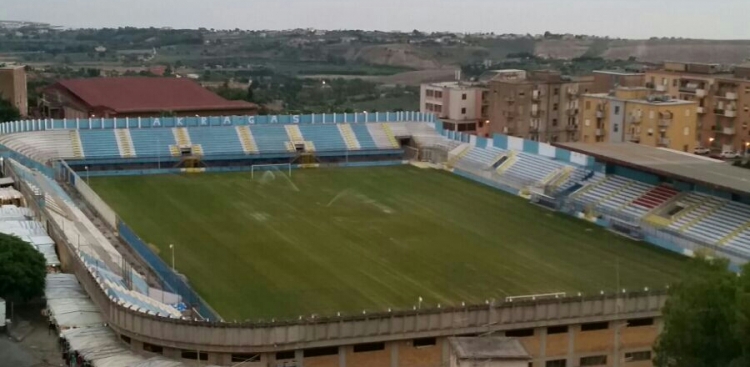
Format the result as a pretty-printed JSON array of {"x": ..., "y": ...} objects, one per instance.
[{"x": 134, "y": 94}]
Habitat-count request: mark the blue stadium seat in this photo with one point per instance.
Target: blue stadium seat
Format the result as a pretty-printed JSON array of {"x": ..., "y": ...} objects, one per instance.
[
  {"x": 99, "y": 143},
  {"x": 270, "y": 138},
  {"x": 152, "y": 142},
  {"x": 364, "y": 137},
  {"x": 216, "y": 140},
  {"x": 325, "y": 137}
]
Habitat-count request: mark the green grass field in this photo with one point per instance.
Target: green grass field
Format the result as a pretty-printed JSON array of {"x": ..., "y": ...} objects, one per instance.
[{"x": 351, "y": 239}]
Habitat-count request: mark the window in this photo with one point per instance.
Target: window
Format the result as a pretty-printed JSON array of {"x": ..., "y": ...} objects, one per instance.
[
  {"x": 648, "y": 321},
  {"x": 245, "y": 357},
  {"x": 463, "y": 110},
  {"x": 593, "y": 361},
  {"x": 674, "y": 82},
  {"x": 519, "y": 333},
  {"x": 616, "y": 128},
  {"x": 125, "y": 339},
  {"x": 430, "y": 93},
  {"x": 319, "y": 352},
  {"x": 280, "y": 356},
  {"x": 438, "y": 94},
  {"x": 555, "y": 363},
  {"x": 463, "y": 96},
  {"x": 194, "y": 355},
  {"x": 638, "y": 356},
  {"x": 369, "y": 347},
  {"x": 554, "y": 107},
  {"x": 438, "y": 108},
  {"x": 588, "y": 105},
  {"x": 423, "y": 342},
  {"x": 591, "y": 326},
  {"x": 521, "y": 93},
  {"x": 557, "y": 329},
  {"x": 153, "y": 348},
  {"x": 554, "y": 122},
  {"x": 556, "y": 91},
  {"x": 651, "y": 114},
  {"x": 617, "y": 110},
  {"x": 480, "y": 123}
]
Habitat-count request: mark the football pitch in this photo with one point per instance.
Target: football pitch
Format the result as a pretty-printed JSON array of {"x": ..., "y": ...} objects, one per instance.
[{"x": 330, "y": 240}]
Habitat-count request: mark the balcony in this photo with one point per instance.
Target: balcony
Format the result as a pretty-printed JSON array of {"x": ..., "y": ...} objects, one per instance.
[
  {"x": 700, "y": 110},
  {"x": 535, "y": 113},
  {"x": 510, "y": 100},
  {"x": 571, "y": 127},
  {"x": 724, "y": 130},
  {"x": 510, "y": 114},
  {"x": 663, "y": 142},
  {"x": 633, "y": 138},
  {"x": 635, "y": 119},
  {"x": 599, "y": 114},
  {"x": 536, "y": 95},
  {"x": 731, "y": 96},
  {"x": 508, "y": 130},
  {"x": 730, "y": 113},
  {"x": 599, "y": 132},
  {"x": 573, "y": 92},
  {"x": 660, "y": 88},
  {"x": 700, "y": 93},
  {"x": 665, "y": 122},
  {"x": 573, "y": 112}
]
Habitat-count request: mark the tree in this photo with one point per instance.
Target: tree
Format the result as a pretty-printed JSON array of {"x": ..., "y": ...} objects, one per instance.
[
  {"x": 706, "y": 319},
  {"x": 8, "y": 112},
  {"x": 22, "y": 269}
]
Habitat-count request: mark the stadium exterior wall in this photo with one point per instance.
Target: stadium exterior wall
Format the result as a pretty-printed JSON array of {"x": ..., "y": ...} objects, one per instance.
[{"x": 170, "y": 122}]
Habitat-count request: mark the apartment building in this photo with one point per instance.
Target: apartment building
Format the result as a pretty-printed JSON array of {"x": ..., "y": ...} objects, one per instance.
[
  {"x": 637, "y": 115},
  {"x": 722, "y": 98},
  {"x": 461, "y": 106},
  {"x": 608, "y": 80},
  {"x": 13, "y": 87},
  {"x": 543, "y": 107}
]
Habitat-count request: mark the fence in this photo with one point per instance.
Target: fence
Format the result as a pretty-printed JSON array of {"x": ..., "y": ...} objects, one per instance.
[
  {"x": 169, "y": 279},
  {"x": 169, "y": 122},
  {"x": 104, "y": 211}
]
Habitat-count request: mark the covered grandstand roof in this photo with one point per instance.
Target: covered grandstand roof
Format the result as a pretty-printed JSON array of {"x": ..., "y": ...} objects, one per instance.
[
  {"x": 141, "y": 94},
  {"x": 684, "y": 166}
]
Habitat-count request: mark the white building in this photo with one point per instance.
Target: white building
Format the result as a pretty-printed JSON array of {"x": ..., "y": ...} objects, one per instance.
[{"x": 460, "y": 105}]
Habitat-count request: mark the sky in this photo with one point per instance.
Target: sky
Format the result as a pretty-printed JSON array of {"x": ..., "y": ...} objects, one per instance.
[{"x": 709, "y": 19}]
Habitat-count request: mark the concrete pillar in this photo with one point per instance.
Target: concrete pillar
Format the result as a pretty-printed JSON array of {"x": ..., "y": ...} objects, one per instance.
[
  {"x": 394, "y": 354},
  {"x": 572, "y": 344},
  {"x": 543, "y": 342},
  {"x": 342, "y": 356},
  {"x": 299, "y": 357},
  {"x": 446, "y": 352}
]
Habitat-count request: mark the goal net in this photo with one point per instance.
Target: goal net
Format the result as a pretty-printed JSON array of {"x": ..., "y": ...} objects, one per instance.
[{"x": 260, "y": 169}]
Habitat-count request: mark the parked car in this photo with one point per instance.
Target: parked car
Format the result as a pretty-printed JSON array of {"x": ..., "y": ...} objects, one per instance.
[
  {"x": 701, "y": 151},
  {"x": 730, "y": 154}
]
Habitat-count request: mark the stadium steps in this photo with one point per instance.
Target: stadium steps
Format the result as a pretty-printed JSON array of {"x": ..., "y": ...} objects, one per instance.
[
  {"x": 294, "y": 133},
  {"x": 75, "y": 141},
  {"x": 125, "y": 143},
  {"x": 658, "y": 221},
  {"x": 391, "y": 136},
  {"x": 734, "y": 233},
  {"x": 588, "y": 185},
  {"x": 174, "y": 150},
  {"x": 717, "y": 205},
  {"x": 562, "y": 177},
  {"x": 512, "y": 158},
  {"x": 181, "y": 137},
  {"x": 378, "y": 135},
  {"x": 349, "y": 137},
  {"x": 197, "y": 149},
  {"x": 309, "y": 146},
  {"x": 614, "y": 193},
  {"x": 457, "y": 154},
  {"x": 246, "y": 139}
]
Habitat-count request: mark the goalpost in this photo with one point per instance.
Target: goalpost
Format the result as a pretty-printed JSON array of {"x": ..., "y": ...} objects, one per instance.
[{"x": 280, "y": 167}]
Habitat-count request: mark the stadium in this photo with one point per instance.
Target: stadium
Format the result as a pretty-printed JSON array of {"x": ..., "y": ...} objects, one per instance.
[{"x": 368, "y": 239}]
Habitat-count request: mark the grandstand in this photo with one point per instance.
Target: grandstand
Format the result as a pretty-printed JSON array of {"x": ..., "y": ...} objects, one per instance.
[{"x": 272, "y": 247}]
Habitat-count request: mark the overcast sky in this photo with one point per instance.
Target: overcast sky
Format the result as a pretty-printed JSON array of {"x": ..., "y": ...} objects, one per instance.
[{"x": 716, "y": 19}]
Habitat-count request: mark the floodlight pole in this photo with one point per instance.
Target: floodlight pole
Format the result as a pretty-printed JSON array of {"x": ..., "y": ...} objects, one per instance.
[
  {"x": 171, "y": 247},
  {"x": 87, "y": 175}
]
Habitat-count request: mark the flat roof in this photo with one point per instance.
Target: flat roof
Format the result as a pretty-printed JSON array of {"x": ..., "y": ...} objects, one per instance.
[
  {"x": 680, "y": 165},
  {"x": 618, "y": 72},
  {"x": 670, "y": 102}
]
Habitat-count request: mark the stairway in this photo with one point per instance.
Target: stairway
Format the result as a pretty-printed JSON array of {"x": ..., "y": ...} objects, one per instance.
[
  {"x": 246, "y": 139},
  {"x": 75, "y": 141},
  {"x": 181, "y": 136},
  {"x": 457, "y": 154},
  {"x": 125, "y": 143},
  {"x": 294, "y": 133},
  {"x": 512, "y": 158},
  {"x": 390, "y": 135},
  {"x": 560, "y": 177},
  {"x": 734, "y": 233},
  {"x": 197, "y": 149},
  {"x": 349, "y": 138},
  {"x": 716, "y": 206}
]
